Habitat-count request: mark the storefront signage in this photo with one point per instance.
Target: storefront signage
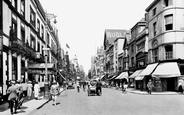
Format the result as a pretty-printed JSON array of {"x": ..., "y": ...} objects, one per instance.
[{"x": 40, "y": 71}]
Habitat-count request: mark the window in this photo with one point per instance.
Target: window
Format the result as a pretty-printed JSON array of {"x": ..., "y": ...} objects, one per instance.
[
  {"x": 42, "y": 35},
  {"x": 48, "y": 39},
  {"x": 132, "y": 60},
  {"x": 23, "y": 32},
  {"x": 168, "y": 2},
  {"x": 14, "y": 4},
  {"x": 168, "y": 22},
  {"x": 42, "y": 51},
  {"x": 38, "y": 26},
  {"x": 168, "y": 52},
  {"x": 38, "y": 49},
  {"x": 154, "y": 12},
  {"x": 13, "y": 29},
  {"x": 132, "y": 48},
  {"x": 154, "y": 29},
  {"x": 32, "y": 17},
  {"x": 33, "y": 42},
  {"x": 22, "y": 8},
  {"x": 155, "y": 55},
  {"x": 14, "y": 68},
  {"x": 23, "y": 72}
]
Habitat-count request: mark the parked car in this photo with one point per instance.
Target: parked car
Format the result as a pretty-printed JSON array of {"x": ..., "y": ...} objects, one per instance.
[{"x": 70, "y": 85}]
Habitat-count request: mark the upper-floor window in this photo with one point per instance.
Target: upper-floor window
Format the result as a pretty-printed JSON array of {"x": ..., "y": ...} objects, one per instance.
[
  {"x": 155, "y": 51},
  {"x": 22, "y": 8},
  {"x": 38, "y": 26},
  {"x": 48, "y": 39},
  {"x": 14, "y": 4},
  {"x": 13, "y": 29},
  {"x": 23, "y": 33},
  {"x": 38, "y": 47},
  {"x": 154, "y": 29},
  {"x": 168, "y": 52},
  {"x": 168, "y": 2},
  {"x": 33, "y": 42},
  {"x": 132, "y": 48},
  {"x": 169, "y": 22},
  {"x": 154, "y": 12},
  {"x": 42, "y": 32},
  {"x": 32, "y": 17}
]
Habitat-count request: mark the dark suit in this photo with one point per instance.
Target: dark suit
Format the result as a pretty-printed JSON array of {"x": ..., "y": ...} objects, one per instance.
[{"x": 12, "y": 98}]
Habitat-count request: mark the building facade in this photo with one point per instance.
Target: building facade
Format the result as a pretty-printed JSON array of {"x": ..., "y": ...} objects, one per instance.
[
  {"x": 25, "y": 32},
  {"x": 166, "y": 33}
]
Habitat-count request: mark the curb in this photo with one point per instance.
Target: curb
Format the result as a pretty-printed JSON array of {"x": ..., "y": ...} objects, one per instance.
[{"x": 46, "y": 102}]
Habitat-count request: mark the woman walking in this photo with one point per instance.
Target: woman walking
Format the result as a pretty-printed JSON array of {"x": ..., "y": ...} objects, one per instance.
[
  {"x": 29, "y": 89},
  {"x": 36, "y": 90},
  {"x": 54, "y": 91}
]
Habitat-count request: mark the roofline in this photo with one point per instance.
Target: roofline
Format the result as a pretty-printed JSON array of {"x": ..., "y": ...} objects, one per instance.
[{"x": 151, "y": 5}]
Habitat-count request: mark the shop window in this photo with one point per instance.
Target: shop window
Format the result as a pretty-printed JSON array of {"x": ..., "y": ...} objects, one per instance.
[
  {"x": 14, "y": 68},
  {"x": 168, "y": 52},
  {"x": 169, "y": 22},
  {"x": 23, "y": 71}
]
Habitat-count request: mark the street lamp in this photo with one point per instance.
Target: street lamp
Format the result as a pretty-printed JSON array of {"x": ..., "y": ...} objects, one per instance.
[
  {"x": 46, "y": 49},
  {"x": 46, "y": 84}
]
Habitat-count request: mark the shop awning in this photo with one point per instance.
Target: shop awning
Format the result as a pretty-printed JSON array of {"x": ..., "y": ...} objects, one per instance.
[
  {"x": 148, "y": 70},
  {"x": 61, "y": 75},
  {"x": 166, "y": 70},
  {"x": 102, "y": 76},
  {"x": 136, "y": 73},
  {"x": 41, "y": 66},
  {"x": 123, "y": 75},
  {"x": 113, "y": 77}
]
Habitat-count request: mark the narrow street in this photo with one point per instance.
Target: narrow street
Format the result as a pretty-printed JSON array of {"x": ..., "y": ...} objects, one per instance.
[{"x": 113, "y": 102}]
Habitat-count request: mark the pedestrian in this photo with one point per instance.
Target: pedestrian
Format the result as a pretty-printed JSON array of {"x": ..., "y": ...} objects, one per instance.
[
  {"x": 20, "y": 93},
  {"x": 12, "y": 98},
  {"x": 150, "y": 86},
  {"x": 36, "y": 90},
  {"x": 29, "y": 90},
  {"x": 125, "y": 87},
  {"x": 54, "y": 91}
]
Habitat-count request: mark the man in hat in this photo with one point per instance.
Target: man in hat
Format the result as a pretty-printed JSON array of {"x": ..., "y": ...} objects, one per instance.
[{"x": 12, "y": 98}]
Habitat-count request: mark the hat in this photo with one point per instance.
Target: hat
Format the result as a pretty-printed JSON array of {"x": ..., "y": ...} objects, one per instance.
[
  {"x": 13, "y": 82},
  {"x": 54, "y": 81}
]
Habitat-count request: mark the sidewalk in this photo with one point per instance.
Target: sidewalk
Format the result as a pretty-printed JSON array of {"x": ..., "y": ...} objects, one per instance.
[
  {"x": 135, "y": 91},
  {"x": 28, "y": 107}
]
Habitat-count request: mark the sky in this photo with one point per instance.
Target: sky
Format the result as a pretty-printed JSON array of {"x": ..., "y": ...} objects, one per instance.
[{"x": 81, "y": 23}]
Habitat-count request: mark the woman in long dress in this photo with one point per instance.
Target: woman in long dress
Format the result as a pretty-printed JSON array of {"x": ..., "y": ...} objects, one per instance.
[
  {"x": 29, "y": 89},
  {"x": 36, "y": 90},
  {"x": 54, "y": 91}
]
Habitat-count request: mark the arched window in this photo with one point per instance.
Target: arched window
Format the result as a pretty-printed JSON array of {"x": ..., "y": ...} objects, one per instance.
[{"x": 155, "y": 51}]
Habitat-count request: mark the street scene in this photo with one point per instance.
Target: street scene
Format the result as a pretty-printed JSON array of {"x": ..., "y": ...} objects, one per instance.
[
  {"x": 91, "y": 57},
  {"x": 113, "y": 102}
]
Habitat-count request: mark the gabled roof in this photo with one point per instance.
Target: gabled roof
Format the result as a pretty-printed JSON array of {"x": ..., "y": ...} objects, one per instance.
[{"x": 111, "y": 35}]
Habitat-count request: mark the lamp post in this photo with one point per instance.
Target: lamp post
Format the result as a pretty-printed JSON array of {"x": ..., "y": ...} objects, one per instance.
[{"x": 46, "y": 49}]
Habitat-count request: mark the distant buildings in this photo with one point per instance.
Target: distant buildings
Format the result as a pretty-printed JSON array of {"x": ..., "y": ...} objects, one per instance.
[{"x": 152, "y": 49}]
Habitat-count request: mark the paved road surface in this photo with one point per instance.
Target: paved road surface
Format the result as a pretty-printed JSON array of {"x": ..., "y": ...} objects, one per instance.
[{"x": 113, "y": 102}]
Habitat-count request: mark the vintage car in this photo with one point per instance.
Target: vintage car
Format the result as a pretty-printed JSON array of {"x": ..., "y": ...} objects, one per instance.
[
  {"x": 70, "y": 85},
  {"x": 92, "y": 87}
]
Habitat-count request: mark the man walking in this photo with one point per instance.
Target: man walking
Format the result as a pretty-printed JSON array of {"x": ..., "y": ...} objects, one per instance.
[
  {"x": 150, "y": 86},
  {"x": 12, "y": 98}
]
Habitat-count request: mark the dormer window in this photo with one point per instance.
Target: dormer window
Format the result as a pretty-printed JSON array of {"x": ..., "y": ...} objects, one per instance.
[
  {"x": 168, "y": 2},
  {"x": 154, "y": 12}
]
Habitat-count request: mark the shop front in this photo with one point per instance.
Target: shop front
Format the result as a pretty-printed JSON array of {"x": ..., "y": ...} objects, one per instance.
[{"x": 165, "y": 77}]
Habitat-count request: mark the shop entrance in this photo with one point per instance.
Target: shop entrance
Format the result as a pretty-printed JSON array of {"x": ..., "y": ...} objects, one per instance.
[{"x": 171, "y": 84}]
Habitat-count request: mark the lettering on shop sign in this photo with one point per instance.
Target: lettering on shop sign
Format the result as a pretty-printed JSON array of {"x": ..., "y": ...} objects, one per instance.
[{"x": 115, "y": 34}]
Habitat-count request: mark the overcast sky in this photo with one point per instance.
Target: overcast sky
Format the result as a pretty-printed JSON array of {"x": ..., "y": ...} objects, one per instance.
[{"x": 81, "y": 23}]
